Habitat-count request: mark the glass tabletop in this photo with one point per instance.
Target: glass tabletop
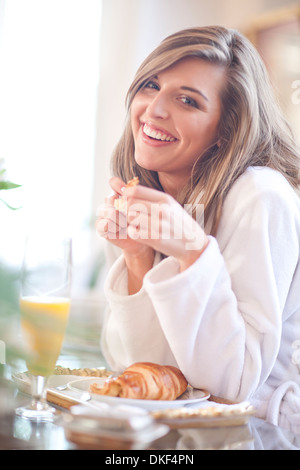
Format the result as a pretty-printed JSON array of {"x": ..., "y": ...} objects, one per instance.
[{"x": 19, "y": 433}]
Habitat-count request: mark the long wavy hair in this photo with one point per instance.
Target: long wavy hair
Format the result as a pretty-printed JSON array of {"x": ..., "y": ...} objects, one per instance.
[{"x": 252, "y": 130}]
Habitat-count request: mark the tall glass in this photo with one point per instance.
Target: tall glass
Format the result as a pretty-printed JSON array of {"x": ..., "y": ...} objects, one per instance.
[{"x": 44, "y": 307}]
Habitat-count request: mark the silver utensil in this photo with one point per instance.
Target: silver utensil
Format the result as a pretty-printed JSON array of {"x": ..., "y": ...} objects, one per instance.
[
  {"x": 61, "y": 387},
  {"x": 84, "y": 396}
]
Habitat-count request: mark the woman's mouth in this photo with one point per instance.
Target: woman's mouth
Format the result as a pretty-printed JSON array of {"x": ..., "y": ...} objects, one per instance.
[{"x": 157, "y": 134}]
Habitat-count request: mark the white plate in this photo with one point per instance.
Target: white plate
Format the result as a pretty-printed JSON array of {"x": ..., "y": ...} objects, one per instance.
[{"x": 189, "y": 397}]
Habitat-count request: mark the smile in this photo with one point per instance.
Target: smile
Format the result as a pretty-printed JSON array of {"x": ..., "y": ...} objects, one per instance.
[{"x": 157, "y": 134}]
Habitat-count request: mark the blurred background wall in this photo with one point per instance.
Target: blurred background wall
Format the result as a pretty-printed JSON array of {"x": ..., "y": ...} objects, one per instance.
[{"x": 65, "y": 67}]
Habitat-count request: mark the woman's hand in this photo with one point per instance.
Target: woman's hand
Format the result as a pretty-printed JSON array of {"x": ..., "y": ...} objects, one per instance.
[
  {"x": 112, "y": 225},
  {"x": 156, "y": 220},
  {"x": 153, "y": 221}
]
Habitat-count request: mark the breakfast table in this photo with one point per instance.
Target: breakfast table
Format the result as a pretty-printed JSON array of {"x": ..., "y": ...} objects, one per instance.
[{"x": 80, "y": 424}]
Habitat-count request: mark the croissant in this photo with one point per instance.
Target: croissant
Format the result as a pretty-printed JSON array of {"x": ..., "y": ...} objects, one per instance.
[
  {"x": 120, "y": 203},
  {"x": 146, "y": 381}
]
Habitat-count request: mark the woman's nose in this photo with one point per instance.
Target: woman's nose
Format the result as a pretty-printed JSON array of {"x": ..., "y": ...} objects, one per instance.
[{"x": 159, "y": 107}]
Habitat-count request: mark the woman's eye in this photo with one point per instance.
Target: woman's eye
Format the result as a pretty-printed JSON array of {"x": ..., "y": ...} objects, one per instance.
[
  {"x": 189, "y": 101},
  {"x": 152, "y": 85}
]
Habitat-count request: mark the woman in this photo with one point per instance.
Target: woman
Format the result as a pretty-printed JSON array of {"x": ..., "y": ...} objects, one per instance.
[{"x": 220, "y": 301}]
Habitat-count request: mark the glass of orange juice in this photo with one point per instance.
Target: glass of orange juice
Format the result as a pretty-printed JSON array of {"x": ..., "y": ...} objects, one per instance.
[{"x": 44, "y": 306}]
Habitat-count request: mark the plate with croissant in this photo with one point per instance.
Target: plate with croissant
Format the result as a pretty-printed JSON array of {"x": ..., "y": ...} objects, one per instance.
[{"x": 144, "y": 384}]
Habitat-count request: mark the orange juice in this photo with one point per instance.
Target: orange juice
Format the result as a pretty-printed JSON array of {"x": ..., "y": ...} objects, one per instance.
[{"x": 44, "y": 322}]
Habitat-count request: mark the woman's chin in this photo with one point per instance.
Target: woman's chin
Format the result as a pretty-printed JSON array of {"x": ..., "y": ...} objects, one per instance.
[{"x": 146, "y": 164}]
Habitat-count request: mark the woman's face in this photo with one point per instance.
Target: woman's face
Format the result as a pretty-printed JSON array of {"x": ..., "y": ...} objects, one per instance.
[{"x": 175, "y": 118}]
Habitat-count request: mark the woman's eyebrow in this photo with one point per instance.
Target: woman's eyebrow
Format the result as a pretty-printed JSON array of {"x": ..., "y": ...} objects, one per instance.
[{"x": 194, "y": 90}]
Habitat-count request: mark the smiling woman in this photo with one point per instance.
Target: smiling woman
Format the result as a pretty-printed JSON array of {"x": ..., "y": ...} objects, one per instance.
[
  {"x": 221, "y": 301},
  {"x": 178, "y": 113}
]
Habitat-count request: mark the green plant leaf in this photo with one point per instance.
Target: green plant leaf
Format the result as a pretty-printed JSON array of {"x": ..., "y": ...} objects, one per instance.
[
  {"x": 10, "y": 207},
  {"x": 8, "y": 185}
]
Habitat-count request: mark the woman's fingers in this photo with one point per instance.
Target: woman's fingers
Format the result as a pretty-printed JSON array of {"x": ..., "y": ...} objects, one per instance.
[
  {"x": 150, "y": 217},
  {"x": 164, "y": 225},
  {"x": 110, "y": 222},
  {"x": 148, "y": 194},
  {"x": 117, "y": 185}
]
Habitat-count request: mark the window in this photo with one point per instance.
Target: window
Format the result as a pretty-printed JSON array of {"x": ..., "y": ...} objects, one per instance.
[{"x": 49, "y": 56}]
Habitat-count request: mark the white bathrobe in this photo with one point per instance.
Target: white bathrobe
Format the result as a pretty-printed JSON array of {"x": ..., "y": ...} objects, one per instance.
[{"x": 231, "y": 321}]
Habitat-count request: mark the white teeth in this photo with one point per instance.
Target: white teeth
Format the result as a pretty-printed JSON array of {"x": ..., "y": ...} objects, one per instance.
[{"x": 157, "y": 134}]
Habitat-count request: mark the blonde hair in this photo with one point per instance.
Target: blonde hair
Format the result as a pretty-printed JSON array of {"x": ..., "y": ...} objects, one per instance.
[{"x": 252, "y": 130}]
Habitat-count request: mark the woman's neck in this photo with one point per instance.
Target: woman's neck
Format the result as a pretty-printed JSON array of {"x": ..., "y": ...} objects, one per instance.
[{"x": 172, "y": 184}]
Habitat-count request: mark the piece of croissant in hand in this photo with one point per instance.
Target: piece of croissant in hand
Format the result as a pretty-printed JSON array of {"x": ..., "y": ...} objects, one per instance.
[
  {"x": 121, "y": 204},
  {"x": 146, "y": 381}
]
